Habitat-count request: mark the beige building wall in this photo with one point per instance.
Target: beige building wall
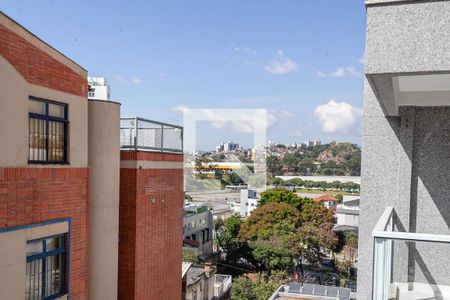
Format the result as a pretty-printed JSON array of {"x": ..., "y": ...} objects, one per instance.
[
  {"x": 13, "y": 257},
  {"x": 104, "y": 163},
  {"x": 14, "y": 102}
]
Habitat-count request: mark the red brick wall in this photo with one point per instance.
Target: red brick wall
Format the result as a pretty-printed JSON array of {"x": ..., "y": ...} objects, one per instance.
[
  {"x": 39, "y": 68},
  {"x": 155, "y": 198},
  {"x": 35, "y": 195}
]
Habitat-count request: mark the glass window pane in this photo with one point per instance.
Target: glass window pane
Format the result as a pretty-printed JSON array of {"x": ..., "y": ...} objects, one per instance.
[
  {"x": 37, "y": 107},
  {"x": 56, "y": 110},
  {"x": 34, "y": 248},
  {"x": 33, "y": 280},
  {"x": 53, "y": 243}
]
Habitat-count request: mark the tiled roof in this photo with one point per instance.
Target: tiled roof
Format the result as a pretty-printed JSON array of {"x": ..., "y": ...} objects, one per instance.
[{"x": 325, "y": 198}]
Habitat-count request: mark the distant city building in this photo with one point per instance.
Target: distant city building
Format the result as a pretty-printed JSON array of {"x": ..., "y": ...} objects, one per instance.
[
  {"x": 313, "y": 143},
  {"x": 198, "y": 227},
  {"x": 227, "y": 147},
  {"x": 98, "y": 89}
]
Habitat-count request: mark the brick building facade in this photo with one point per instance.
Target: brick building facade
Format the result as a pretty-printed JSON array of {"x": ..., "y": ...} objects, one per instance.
[
  {"x": 63, "y": 180},
  {"x": 151, "y": 208}
]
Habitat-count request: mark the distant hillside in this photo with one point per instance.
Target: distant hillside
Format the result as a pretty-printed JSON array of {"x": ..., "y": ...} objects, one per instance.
[
  {"x": 327, "y": 159},
  {"x": 338, "y": 152}
]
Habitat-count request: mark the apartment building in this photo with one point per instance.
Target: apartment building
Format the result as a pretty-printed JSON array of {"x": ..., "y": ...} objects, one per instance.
[
  {"x": 347, "y": 214},
  {"x": 198, "y": 227},
  {"x": 404, "y": 232},
  {"x": 69, "y": 182},
  {"x": 247, "y": 203},
  {"x": 98, "y": 89}
]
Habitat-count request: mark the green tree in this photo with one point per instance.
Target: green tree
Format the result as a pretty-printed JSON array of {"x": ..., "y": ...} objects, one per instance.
[
  {"x": 279, "y": 195},
  {"x": 192, "y": 256},
  {"x": 267, "y": 231},
  {"x": 269, "y": 220},
  {"x": 235, "y": 179},
  {"x": 315, "y": 213},
  {"x": 262, "y": 288},
  {"x": 243, "y": 289},
  {"x": 229, "y": 241},
  {"x": 310, "y": 242}
]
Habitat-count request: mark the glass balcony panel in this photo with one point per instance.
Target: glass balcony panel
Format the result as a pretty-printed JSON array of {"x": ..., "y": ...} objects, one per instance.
[{"x": 409, "y": 266}]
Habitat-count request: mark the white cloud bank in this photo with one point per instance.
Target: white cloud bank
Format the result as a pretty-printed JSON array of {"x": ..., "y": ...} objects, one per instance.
[
  {"x": 281, "y": 65},
  {"x": 240, "y": 125},
  {"x": 338, "y": 117},
  {"x": 136, "y": 80},
  {"x": 340, "y": 72}
]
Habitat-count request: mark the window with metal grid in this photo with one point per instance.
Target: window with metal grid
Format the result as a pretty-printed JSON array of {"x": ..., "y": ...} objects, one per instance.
[
  {"x": 46, "y": 271},
  {"x": 48, "y": 131}
]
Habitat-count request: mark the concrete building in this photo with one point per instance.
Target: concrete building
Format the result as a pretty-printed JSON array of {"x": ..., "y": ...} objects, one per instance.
[
  {"x": 198, "y": 227},
  {"x": 79, "y": 218},
  {"x": 405, "y": 217},
  {"x": 227, "y": 147},
  {"x": 202, "y": 283},
  {"x": 347, "y": 214},
  {"x": 246, "y": 204},
  {"x": 98, "y": 89}
]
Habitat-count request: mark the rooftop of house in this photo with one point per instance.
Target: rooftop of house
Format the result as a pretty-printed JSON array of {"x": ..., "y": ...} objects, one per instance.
[
  {"x": 325, "y": 198},
  {"x": 195, "y": 273}
]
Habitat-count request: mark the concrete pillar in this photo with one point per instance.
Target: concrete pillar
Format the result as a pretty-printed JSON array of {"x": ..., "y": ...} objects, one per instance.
[{"x": 104, "y": 163}]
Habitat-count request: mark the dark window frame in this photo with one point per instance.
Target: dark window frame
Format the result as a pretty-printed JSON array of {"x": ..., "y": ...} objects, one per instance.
[
  {"x": 64, "y": 272},
  {"x": 47, "y": 118}
]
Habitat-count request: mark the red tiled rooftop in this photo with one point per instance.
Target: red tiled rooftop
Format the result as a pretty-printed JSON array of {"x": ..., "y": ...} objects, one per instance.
[{"x": 325, "y": 198}]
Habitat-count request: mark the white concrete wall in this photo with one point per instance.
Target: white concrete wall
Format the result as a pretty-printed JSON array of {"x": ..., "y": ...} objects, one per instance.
[{"x": 104, "y": 163}]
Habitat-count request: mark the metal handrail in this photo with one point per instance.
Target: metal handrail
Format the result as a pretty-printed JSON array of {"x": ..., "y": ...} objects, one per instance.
[
  {"x": 131, "y": 134},
  {"x": 386, "y": 220}
]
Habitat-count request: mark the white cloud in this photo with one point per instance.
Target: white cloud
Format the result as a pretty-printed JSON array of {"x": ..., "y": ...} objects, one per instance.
[
  {"x": 136, "y": 80},
  {"x": 244, "y": 122},
  {"x": 351, "y": 70},
  {"x": 295, "y": 132},
  {"x": 118, "y": 78},
  {"x": 340, "y": 72},
  {"x": 181, "y": 109},
  {"x": 338, "y": 117},
  {"x": 361, "y": 60},
  {"x": 320, "y": 74},
  {"x": 286, "y": 114},
  {"x": 281, "y": 65},
  {"x": 162, "y": 74}
]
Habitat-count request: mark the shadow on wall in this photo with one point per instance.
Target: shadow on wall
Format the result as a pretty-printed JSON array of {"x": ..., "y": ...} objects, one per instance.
[{"x": 429, "y": 211}]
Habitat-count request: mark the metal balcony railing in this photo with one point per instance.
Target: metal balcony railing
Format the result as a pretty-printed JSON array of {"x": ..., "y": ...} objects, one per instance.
[
  {"x": 409, "y": 265},
  {"x": 148, "y": 135},
  {"x": 222, "y": 285}
]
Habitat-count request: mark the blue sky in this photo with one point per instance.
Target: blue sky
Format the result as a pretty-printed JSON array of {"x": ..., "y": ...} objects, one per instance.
[{"x": 301, "y": 60}]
